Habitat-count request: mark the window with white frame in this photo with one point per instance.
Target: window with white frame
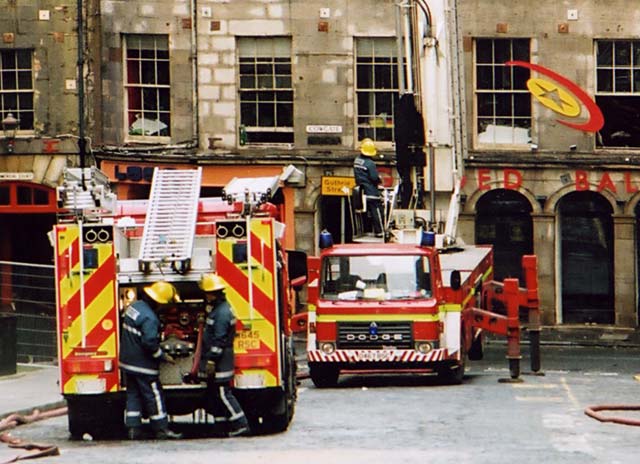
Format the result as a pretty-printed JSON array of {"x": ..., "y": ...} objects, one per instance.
[
  {"x": 376, "y": 87},
  {"x": 266, "y": 90},
  {"x": 147, "y": 85},
  {"x": 618, "y": 92},
  {"x": 502, "y": 100},
  {"x": 16, "y": 86}
]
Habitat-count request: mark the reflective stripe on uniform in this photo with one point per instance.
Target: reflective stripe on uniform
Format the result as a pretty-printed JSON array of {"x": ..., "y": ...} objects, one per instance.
[{"x": 140, "y": 370}]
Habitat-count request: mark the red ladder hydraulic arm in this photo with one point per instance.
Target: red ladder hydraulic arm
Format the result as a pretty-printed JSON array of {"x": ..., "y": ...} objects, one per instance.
[{"x": 513, "y": 298}]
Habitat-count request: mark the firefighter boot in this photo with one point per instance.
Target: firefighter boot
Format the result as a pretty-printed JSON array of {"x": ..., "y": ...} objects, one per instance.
[
  {"x": 166, "y": 434},
  {"x": 242, "y": 430}
]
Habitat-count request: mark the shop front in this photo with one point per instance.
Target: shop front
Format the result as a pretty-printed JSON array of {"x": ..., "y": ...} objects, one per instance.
[{"x": 582, "y": 224}]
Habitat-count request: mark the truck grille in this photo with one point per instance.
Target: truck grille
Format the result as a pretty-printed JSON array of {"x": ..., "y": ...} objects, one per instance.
[{"x": 374, "y": 335}]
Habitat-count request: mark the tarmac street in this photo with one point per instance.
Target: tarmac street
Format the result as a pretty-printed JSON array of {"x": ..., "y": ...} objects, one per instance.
[{"x": 413, "y": 419}]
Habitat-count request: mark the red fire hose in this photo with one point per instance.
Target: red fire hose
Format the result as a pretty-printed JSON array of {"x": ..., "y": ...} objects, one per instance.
[
  {"x": 196, "y": 358},
  {"x": 593, "y": 411}
]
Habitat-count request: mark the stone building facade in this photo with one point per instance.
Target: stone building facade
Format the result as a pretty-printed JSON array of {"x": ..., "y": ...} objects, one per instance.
[{"x": 250, "y": 87}]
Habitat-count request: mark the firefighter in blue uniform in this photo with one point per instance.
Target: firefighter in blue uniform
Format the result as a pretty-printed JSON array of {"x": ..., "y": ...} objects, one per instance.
[
  {"x": 140, "y": 357},
  {"x": 368, "y": 179},
  {"x": 217, "y": 362}
]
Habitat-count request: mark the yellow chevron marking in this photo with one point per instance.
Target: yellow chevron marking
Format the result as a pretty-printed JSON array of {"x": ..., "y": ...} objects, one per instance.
[
  {"x": 70, "y": 284},
  {"x": 241, "y": 309},
  {"x": 67, "y": 237},
  {"x": 260, "y": 276},
  {"x": 450, "y": 308},
  {"x": 94, "y": 312}
]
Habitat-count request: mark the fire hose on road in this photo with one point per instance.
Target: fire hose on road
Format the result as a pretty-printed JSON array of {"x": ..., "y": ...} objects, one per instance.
[
  {"x": 594, "y": 412},
  {"x": 33, "y": 450}
]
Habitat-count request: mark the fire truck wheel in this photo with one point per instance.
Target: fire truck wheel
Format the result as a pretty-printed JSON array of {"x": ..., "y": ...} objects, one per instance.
[
  {"x": 324, "y": 376},
  {"x": 280, "y": 422}
]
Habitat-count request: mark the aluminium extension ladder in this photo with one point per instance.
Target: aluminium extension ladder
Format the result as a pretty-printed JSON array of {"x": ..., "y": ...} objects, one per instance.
[{"x": 170, "y": 222}]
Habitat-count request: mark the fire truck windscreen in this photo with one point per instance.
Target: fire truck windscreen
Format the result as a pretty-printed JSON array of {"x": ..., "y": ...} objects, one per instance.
[{"x": 375, "y": 277}]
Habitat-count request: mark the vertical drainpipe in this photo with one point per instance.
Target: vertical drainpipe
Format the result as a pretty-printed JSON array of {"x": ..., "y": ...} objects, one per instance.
[
  {"x": 195, "y": 119},
  {"x": 82, "y": 144}
]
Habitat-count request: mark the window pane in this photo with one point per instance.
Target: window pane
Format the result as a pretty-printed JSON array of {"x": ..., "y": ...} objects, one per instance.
[
  {"x": 4, "y": 195},
  {"x": 486, "y": 104},
  {"x": 248, "y": 115},
  {"x": 604, "y": 49},
  {"x": 365, "y": 76},
  {"x": 24, "y": 195},
  {"x": 622, "y": 53},
  {"x": 484, "y": 51},
  {"x": 502, "y": 51},
  {"x": 522, "y": 104},
  {"x": 502, "y": 77},
  {"x": 503, "y": 104},
  {"x": 266, "y": 115},
  {"x": 521, "y": 50},
  {"x": 40, "y": 197},
  {"x": 605, "y": 80},
  {"x": 623, "y": 80},
  {"x": 484, "y": 74}
]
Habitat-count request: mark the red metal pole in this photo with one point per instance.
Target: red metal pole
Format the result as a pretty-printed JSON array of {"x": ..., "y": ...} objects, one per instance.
[
  {"x": 530, "y": 267},
  {"x": 511, "y": 293}
]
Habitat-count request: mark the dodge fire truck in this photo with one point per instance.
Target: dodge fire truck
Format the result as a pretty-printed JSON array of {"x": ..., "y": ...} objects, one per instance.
[
  {"x": 418, "y": 300},
  {"x": 106, "y": 250}
]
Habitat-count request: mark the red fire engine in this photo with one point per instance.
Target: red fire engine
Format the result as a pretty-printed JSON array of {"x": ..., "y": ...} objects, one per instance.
[{"x": 105, "y": 250}]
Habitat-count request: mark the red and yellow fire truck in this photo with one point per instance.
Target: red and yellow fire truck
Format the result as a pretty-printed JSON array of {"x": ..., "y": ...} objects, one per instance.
[{"x": 106, "y": 250}]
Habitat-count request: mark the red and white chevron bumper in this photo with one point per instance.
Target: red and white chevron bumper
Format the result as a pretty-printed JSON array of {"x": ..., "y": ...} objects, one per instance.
[{"x": 390, "y": 356}]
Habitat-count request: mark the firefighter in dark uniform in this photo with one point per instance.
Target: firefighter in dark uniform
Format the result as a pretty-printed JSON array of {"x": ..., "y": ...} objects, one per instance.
[
  {"x": 217, "y": 362},
  {"x": 368, "y": 179},
  {"x": 140, "y": 357}
]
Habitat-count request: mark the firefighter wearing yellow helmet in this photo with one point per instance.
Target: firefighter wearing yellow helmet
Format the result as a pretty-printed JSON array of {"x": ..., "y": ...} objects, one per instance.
[
  {"x": 368, "y": 179},
  {"x": 217, "y": 362},
  {"x": 140, "y": 357}
]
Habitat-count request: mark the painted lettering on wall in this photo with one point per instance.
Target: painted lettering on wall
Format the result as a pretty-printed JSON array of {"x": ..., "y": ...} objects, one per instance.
[{"x": 512, "y": 179}]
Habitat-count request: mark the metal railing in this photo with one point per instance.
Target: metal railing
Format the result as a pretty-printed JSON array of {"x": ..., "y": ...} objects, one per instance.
[{"x": 28, "y": 291}]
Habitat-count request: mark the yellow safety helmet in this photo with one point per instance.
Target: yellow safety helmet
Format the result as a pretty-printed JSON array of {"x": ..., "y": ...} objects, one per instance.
[
  {"x": 162, "y": 292},
  {"x": 368, "y": 147},
  {"x": 212, "y": 283}
]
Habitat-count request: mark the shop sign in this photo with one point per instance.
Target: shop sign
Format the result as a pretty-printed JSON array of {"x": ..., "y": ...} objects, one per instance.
[
  {"x": 337, "y": 186},
  {"x": 511, "y": 179},
  {"x": 25, "y": 176}
]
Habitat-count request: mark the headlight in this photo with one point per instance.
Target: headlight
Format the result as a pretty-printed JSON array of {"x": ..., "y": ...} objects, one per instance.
[
  {"x": 423, "y": 347},
  {"x": 327, "y": 348}
]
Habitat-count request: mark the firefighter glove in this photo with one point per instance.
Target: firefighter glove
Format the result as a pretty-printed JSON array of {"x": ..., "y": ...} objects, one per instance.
[{"x": 168, "y": 358}]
